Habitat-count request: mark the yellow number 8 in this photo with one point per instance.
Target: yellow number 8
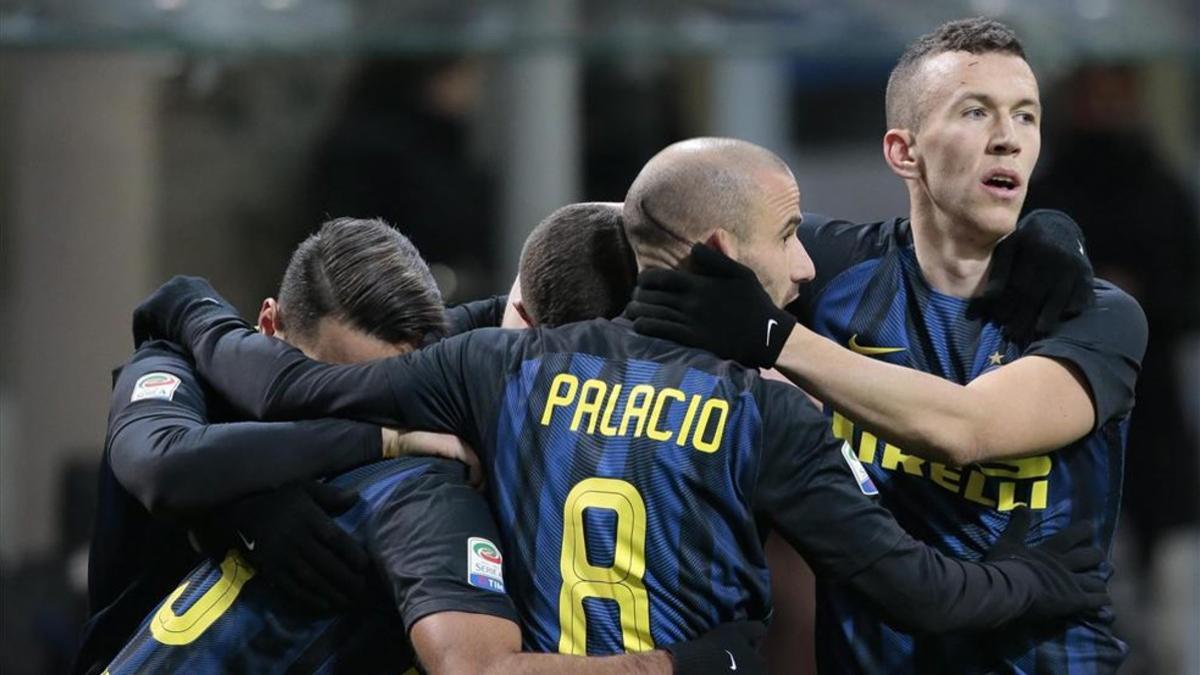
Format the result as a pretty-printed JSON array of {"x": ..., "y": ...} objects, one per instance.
[
  {"x": 622, "y": 582},
  {"x": 170, "y": 628}
]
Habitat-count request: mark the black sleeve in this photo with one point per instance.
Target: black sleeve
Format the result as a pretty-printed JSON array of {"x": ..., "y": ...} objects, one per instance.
[
  {"x": 437, "y": 547},
  {"x": 429, "y": 389},
  {"x": 1106, "y": 343},
  {"x": 812, "y": 489},
  {"x": 165, "y": 452},
  {"x": 836, "y": 245},
  {"x": 486, "y": 313}
]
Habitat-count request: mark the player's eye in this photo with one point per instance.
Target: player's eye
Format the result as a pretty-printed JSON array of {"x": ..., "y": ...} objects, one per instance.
[
  {"x": 1027, "y": 118},
  {"x": 975, "y": 113}
]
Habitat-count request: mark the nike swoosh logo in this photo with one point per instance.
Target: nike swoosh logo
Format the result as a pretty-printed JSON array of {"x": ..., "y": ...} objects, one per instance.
[
  {"x": 871, "y": 351},
  {"x": 249, "y": 544},
  {"x": 732, "y": 663},
  {"x": 771, "y": 323}
]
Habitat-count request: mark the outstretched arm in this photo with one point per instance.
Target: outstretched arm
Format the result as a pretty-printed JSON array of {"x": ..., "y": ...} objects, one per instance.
[
  {"x": 266, "y": 379},
  {"x": 166, "y": 453},
  {"x": 1066, "y": 384},
  {"x": 1033, "y": 405}
]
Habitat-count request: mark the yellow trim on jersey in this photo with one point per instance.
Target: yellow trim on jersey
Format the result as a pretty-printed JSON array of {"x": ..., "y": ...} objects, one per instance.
[{"x": 170, "y": 628}]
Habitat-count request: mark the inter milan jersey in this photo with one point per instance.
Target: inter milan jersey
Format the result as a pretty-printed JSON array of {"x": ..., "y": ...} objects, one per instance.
[
  {"x": 870, "y": 296},
  {"x": 431, "y": 541},
  {"x": 166, "y": 459},
  {"x": 632, "y": 479}
]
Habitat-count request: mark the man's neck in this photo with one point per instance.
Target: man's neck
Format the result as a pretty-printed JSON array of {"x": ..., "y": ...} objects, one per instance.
[{"x": 953, "y": 259}]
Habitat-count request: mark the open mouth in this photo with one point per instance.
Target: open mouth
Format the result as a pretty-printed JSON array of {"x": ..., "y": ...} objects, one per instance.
[{"x": 1001, "y": 182}]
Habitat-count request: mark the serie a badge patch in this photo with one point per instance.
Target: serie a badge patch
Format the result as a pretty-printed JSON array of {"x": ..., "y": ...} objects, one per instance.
[
  {"x": 155, "y": 385},
  {"x": 860, "y": 473},
  {"x": 485, "y": 565}
]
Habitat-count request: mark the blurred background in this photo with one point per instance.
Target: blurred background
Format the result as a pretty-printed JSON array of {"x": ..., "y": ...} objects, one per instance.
[{"x": 142, "y": 138}]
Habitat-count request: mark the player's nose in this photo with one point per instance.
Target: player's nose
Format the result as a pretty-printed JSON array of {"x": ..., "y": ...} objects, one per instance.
[
  {"x": 1004, "y": 139},
  {"x": 802, "y": 268}
]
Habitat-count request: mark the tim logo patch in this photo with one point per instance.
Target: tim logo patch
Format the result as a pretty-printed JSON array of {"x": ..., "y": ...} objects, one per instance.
[
  {"x": 860, "y": 474},
  {"x": 485, "y": 565},
  {"x": 155, "y": 385}
]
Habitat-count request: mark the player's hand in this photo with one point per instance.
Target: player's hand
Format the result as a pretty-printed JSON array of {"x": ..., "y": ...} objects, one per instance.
[
  {"x": 163, "y": 315},
  {"x": 1040, "y": 275},
  {"x": 718, "y": 305},
  {"x": 730, "y": 647},
  {"x": 290, "y": 537},
  {"x": 399, "y": 443},
  {"x": 1066, "y": 565}
]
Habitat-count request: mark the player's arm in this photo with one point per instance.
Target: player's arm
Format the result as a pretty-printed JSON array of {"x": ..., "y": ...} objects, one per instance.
[
  {"x": 457, "y": 642},
  {"x": 485, "y": 313},
  {"x": 166, "y": 453},
  {"x": 813, "y": 491},
  {"x": 1066, "y": 385},
  {"x": 444, "y": 387}
]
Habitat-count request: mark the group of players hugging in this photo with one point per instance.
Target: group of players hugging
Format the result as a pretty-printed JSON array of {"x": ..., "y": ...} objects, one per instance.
[{"x": 579, "y": 476}]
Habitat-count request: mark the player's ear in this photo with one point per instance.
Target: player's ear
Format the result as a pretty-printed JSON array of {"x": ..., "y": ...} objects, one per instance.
[
  {"x": 898, "y": 151},
  {"x": 514, "y": 312},
  {"x": 268, "y": 317},
  {"x": 722, "y": 240},
  {"x": 519, "y": 305}
]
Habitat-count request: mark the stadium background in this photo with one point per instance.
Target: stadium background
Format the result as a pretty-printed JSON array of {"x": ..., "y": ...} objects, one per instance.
[{"x": 142, "y": 138}]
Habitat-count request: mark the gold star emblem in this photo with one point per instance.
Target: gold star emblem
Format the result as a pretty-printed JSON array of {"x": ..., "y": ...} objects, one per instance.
[{"x": 996, "y": 358}]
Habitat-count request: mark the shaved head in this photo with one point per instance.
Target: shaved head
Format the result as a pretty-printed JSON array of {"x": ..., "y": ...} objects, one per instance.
[{"x": 692, "y": 188}]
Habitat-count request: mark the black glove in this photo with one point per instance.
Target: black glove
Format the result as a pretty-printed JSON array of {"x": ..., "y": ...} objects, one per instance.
[
  {"x": 163, "y": 315},
  {"x": 1066, "y": 566},
  {"x": 291, "y": 539},
  {"x": 1040, "y": 275},
  {"x": 718, "y": 305},
  {"x": 730, "y": 647}
]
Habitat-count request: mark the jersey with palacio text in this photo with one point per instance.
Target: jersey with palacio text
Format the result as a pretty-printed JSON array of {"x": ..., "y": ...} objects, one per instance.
[
  {"x": 871, "y": 297},
  {"x": 431, "y": 540}
]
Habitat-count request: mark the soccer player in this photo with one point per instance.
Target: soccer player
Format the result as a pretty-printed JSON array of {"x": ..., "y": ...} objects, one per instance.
[
  {"x": 957, "y": 422},
  {"x": 355, "y": 290},
  {"x": 633, "y": 479},
  {"x": 575, "y": 265}
]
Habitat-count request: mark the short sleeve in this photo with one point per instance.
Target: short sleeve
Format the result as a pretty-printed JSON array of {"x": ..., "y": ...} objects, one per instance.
[
  {"x": 438, "y": 547},
  {"x": 1106, "y": 343},
  {"x": 813, "y": 490}
]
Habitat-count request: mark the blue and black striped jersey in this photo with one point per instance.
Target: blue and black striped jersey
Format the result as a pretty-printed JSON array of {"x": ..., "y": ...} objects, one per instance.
[
  {"x": 871, "y": 297},
  {"x": 431, "y": 540},
  {"x": 166, "y": 458},
  {"x": 633, "y": 479}
]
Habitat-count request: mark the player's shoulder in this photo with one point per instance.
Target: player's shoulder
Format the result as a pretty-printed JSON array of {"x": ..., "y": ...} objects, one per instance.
[
  {"x": 1114, "y": 317},
  {"x": 838, "y": 246},
  {"x": 1112, "y": 299},
  {"x": 155, "y": 370},
  {"x": 818, "y": 229},
  {"x": 788, "y": 405},
  {"x": 158, "y": 351}
]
